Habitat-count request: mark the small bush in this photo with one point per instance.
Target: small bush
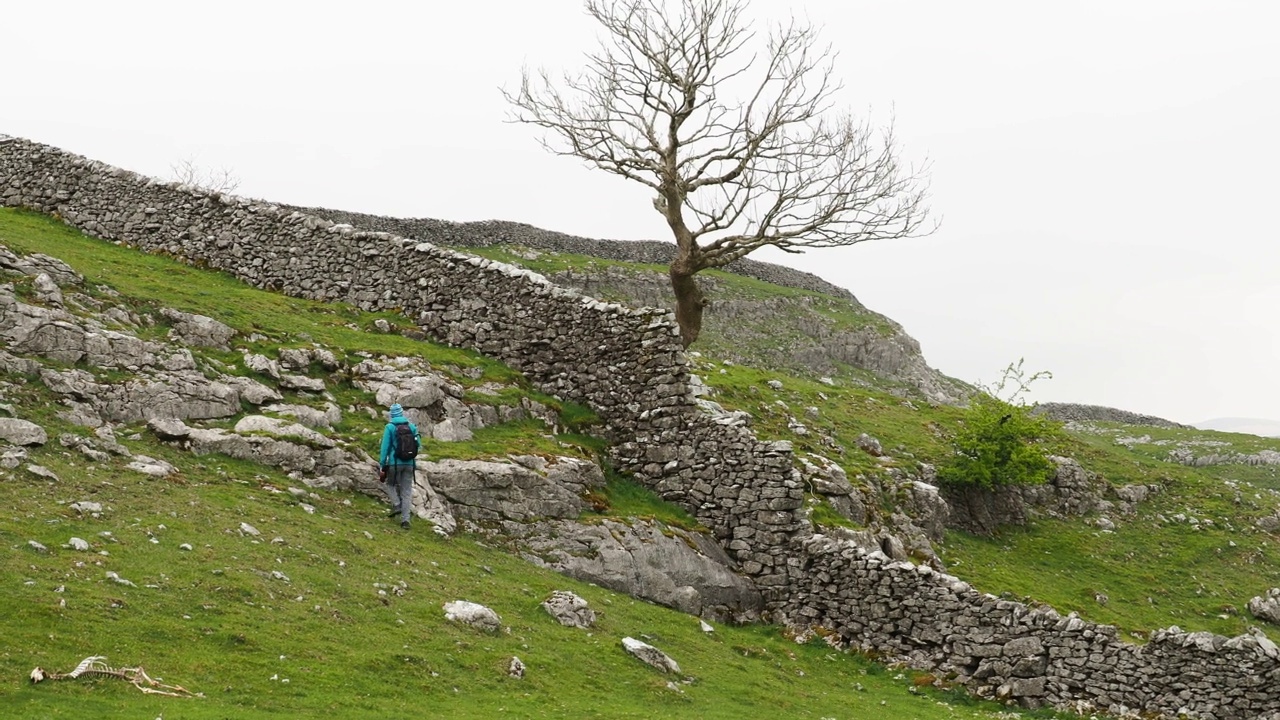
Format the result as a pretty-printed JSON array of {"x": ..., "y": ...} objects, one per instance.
[{"x": 1001, "y": 442}]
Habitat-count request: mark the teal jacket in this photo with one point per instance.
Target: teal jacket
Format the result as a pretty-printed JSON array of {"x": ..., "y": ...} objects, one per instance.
[{"x": 387, "y": 456}]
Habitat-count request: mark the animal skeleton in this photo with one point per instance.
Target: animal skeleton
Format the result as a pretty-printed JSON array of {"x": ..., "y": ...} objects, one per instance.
[{"x": 93, "y": 666}]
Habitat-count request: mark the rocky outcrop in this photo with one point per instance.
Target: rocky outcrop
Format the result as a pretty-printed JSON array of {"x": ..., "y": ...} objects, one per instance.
[
  {"x": 1186, "y": 456},
  {"x": 435, "y": 403},
  {"x": 198, "y": 330},
  {"x": 1072, "y": 412},
  {"x": 523, "y": 490},
  {"x": 671, "y": 567},
  {"x": 1071, "y": 492}
]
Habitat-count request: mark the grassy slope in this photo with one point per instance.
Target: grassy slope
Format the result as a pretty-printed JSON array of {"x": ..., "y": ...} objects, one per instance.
[
  {"x": 216, "y": 620},
  {"x": 1154, "y": 569}
]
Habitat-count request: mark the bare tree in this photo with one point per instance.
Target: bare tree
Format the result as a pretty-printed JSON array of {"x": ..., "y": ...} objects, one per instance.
[
  {"x": 187, "y": 172},
  {"x": 737, "y": 138}
]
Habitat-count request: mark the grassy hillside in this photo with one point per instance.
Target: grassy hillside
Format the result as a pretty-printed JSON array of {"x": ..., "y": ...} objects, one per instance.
[
  {"x": 1155, "y": 569},
  {"x": 337, "y": 613}
]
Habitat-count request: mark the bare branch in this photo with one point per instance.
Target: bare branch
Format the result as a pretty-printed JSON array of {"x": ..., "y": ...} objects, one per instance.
[
  {"x": 187, "y": 172},
  {"x": 655, "y": 104}
]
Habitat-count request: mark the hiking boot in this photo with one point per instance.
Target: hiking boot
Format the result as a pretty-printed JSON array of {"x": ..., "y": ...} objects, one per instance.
[
  {"x": 405, "y": 524},
  {"x": 394, "y": 513}
]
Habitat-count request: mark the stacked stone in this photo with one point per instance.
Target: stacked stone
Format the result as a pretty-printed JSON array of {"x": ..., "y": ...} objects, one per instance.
[
  {"x": 499, "y": 232},
  {"x": 1074, "y": 412},
  {"x": 1006, "y": 650},
  {"x": 628, "y": 365}
]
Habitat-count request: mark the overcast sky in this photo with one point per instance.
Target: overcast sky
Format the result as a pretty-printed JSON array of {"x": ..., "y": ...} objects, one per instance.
[{"x": 1107, "y": 172}]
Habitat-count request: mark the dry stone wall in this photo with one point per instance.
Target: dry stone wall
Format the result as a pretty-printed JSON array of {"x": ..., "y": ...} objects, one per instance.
[
  {"x": 484, "y": 233},
  {"x": 1006, "y": 650},
  {"x": 628, "y": 365}
]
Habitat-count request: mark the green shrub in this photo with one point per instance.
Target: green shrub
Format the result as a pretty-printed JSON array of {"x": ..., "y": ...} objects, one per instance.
[
  {"x": 1000, "y": 441},
  {"x": 999, "y": 444}
]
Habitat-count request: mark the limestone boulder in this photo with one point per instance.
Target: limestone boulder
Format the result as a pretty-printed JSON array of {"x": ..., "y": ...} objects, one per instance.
[
  {"x": 252, "y": 391},
  {"x": 276, "y": 427},
  {"x": 262, "y": 364},
  {"x": 13, "y": 365},
  {"x": 301, "y": 382},
  {"x": 22, "y": 432},
  {"x": 31, "y": 330},
  {"x": 47, "y": 291},
  {"x": 474, "y": 614},
  {"x": 924, "y": 504},
  {"x": 569, "y": 610},
  {"x": 184, "y": 395},
  {"x": 198, "y": 330},
  {"x": 300, "y": 359},
  {"x": 1267, "y": 608},
  {"x": 678, "y": 569},
  {"x": 1071, "y": 492},
  {"x": 492, "y": 491},
  {"x": 327, "y": 417},
  {"x": 650, "y": 655},
  {"x": 151, "y": 466}
]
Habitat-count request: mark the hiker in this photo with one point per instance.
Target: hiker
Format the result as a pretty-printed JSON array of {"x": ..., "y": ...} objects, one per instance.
[{"x": 398, "y": 459}]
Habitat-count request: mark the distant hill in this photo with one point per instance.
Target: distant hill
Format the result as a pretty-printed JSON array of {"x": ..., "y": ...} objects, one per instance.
[{"x": 1252, "y": 426}]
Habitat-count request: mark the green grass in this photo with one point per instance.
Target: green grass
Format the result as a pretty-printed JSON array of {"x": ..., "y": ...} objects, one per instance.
[
  {"x": 778, "y": 319},
  {"x": 1153, "y": 570},
  {"x": 218, "y": 623},
  {"x": 215, "y": 620},
  {"x": 624, "y": 497}
]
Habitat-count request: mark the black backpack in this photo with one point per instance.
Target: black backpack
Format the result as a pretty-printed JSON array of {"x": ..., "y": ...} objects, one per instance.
[{"x": 406, "y": 443}]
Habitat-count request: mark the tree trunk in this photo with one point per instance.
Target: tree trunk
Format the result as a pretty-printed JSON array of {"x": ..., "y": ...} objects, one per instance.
[{"x": 689, "y": 302}]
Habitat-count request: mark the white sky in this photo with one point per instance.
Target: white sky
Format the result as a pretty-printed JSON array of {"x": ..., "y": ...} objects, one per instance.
[{"x": 1106, "y": 171}]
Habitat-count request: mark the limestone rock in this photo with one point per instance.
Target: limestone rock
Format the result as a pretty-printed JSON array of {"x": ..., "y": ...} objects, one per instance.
[
  {"x": 927, "y": 508},
  {"x": 282, "y": 429},
  {"x": 473, "y": 614},
  {"x": 301, "y": 382},
  {"x": 185, "y": 395},
  {"x": 40, "y": 264},
  {"x": 168, "y": 428},
  {"x": 434, "y": 402},
  {"x": 870, "y": 445},
  {"x": 41, "y": 471},
  {"x": 252, "y": 391},
  {"x": 198, "y": 330},
  {"x": 650, "y": 655},
  {"x": 47, "y": 291},
  {"x": 11, "y": 458},
  {"x": 485, "y": 491},
  {"x": 300, "y": 359},
  {"x": 1267, "y": 608},
  {"x": 681, "y": 570},
  {"x": 87, "y": 507},
  {"x": 262, "y": 364},
  {"x": 309, "y": 416},
  {"x": 569, "y": 610},
  {"x": 151, "y": 466},
  {"x": 22, "y": 432}
]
